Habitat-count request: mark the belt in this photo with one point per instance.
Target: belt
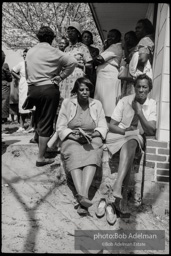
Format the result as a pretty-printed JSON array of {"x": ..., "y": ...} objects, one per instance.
[{"x": 56, "y": 85}]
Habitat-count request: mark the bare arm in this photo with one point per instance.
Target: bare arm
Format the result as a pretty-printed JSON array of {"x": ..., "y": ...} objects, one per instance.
[
  {"x": 15, "y": 74},
  {"x": 102, "y": 126},
  {"x": 69, "y": 63},
  {"x": 149, "y": 127},
  {"x": 113, "y": 127}
]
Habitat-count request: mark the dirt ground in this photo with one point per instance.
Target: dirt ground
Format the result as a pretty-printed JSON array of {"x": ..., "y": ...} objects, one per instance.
[{"x": 38, "y": 209}]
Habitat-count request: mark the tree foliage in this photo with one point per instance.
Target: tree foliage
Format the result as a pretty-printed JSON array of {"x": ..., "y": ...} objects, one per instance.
[{"x": 21, "y": 21}]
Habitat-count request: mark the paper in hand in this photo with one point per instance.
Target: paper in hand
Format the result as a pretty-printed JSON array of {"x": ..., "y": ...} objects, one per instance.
[{"x": 86, "y": 136}]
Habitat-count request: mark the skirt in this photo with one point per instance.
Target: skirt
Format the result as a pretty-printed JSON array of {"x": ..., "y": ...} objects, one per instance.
[
  {"x": 75, "y": 155},
  {"x": 114, "y": 142},
  {"x": 107, "y": 90}
]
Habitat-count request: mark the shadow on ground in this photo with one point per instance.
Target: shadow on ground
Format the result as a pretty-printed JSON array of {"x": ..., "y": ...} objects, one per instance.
[
  {"x": 10, "y": 130},
  {"x": 7, "y": 144}
]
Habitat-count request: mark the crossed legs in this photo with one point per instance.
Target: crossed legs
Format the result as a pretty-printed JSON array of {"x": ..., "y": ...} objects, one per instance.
[{"x": 126, "y": 159}]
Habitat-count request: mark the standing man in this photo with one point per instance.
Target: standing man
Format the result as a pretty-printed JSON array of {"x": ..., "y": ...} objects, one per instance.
[{"x": 46, "y": 67}]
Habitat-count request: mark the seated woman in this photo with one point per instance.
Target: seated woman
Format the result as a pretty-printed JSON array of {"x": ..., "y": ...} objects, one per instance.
[
  {"x": 135, "y": 113},
  {"x": 82, "y": 115}
]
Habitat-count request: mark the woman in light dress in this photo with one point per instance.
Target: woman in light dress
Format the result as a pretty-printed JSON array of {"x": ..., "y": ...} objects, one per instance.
[
  {"x": 132, "y": 120},
  {"x": 108, "y": 86},
  {"x": 18, "y": 71}
]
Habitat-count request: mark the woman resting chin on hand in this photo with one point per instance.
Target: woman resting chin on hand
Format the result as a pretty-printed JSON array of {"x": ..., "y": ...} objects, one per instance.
[{"x": 132, "y": 111}]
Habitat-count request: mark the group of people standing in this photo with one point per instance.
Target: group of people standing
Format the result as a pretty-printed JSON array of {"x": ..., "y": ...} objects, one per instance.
[
  {"x": 93, "y": 109},
  {"x": 16, "y": 94}
]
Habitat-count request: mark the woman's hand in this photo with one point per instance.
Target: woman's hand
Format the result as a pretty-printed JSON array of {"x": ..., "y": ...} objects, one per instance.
[
  {"x": 73, "y": 136},
  {"x": 76, "y": 136},
  {"x": 82, "y": 140},
  {"x": 131, "y": 128},
  {"x": 80, "y": 65},
  {"x": 137, "y": 107},
  {"x": 99, "y": 60}
]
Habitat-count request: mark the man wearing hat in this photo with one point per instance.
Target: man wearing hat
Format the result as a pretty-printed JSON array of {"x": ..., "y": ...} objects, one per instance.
[{"x": 80, "y": 52}]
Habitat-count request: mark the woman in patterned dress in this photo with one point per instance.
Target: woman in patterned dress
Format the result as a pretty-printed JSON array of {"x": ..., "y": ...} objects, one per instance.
[{"x": 81, "y": 52}]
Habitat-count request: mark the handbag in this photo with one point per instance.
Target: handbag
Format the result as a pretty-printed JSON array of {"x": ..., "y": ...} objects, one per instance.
[{"x": 124, "y": 74}]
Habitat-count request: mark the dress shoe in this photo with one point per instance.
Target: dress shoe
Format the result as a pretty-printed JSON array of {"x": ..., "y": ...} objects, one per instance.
[
  {"x": 33, "y": 141},
  {"x": 84, "y": 201},
  {"x": 110, "y": 214},
  {"x": 122, "y": 215},
  {"x": 100, "y": 211},
  {"x": 82, "y": 211},
  {"x": 20, "y": 129},
  {"x": 78, "y": 197}
]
